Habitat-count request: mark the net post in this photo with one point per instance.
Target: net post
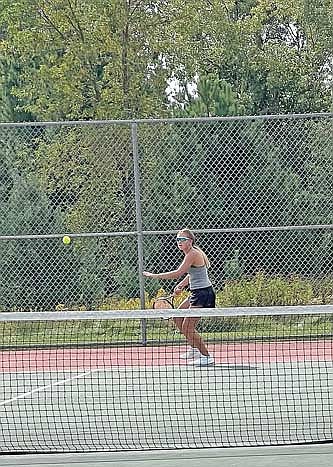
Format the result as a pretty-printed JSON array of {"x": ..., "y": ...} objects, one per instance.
[{"x": 136, "y": 168}]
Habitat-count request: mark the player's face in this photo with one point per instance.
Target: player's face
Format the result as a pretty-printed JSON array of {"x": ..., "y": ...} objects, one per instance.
[{"x": 183, "y": 241}]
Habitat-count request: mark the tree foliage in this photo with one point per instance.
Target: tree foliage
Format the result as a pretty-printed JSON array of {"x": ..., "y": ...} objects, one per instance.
[
  {"x": 83, "y": 60},
  {"x": 102, "y": 59}
]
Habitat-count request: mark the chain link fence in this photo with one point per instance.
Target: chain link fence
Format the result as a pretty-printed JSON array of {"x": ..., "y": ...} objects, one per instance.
[{"x": 257, "y": 191}]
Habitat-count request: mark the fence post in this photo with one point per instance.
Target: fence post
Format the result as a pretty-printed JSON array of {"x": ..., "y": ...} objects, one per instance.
[{"x": 136, "y": 168}]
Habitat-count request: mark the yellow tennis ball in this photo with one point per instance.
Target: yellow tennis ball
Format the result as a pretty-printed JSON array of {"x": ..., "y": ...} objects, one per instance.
[{"x": 66, "y": 239}]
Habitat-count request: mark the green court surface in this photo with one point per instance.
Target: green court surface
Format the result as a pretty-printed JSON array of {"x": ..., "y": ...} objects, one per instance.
[{"x": 172, "y": 407}]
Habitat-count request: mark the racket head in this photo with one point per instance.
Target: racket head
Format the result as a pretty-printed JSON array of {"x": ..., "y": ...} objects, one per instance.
[{"x": 163, "y": 303}]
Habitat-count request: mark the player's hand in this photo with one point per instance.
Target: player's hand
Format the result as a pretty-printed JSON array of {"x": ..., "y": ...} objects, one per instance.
[{"x": 148, "y": 274}]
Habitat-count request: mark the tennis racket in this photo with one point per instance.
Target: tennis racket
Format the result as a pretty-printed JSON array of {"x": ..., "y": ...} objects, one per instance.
[{"x": 163, "y": 303}]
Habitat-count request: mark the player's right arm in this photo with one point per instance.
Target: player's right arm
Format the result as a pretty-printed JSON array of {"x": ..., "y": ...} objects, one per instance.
[{"x": 182, "y": 284}]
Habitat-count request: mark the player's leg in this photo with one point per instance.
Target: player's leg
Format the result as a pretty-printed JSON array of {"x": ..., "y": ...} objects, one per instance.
[
  {"x": 179, "y": 321},
  {"x": 192, "y": 336},
  {"x": 193, "y": 352},
  {"x": 201, "y": 298}
]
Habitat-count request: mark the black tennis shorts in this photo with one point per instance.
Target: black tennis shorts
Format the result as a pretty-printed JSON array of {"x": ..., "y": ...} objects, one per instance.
[{"x": 203, "y": 298}]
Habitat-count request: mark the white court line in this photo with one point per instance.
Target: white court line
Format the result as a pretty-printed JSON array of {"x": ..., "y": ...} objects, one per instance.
[
  {"x": 42, "y": 388},
  {"x": 124, "y": 369},
  {"x": 142, "y": 368}
]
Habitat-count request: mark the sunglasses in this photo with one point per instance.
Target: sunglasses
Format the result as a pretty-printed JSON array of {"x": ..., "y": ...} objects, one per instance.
[{"x": 182, "y": 239}]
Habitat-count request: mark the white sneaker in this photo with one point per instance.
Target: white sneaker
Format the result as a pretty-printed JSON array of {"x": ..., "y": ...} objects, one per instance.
[
  {"x": 204, "y": 360},
  {"x": 190, "y": 354}
]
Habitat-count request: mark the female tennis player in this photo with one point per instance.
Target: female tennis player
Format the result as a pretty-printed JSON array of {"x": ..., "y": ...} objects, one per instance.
[{"x": 202, "y": 295}]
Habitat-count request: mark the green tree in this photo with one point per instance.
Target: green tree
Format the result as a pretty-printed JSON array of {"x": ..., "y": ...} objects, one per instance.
[
  {"x": 9, "y": 75},
  {"x": 275, "y": 55},
  {"x": 212, "y": 98},
  {"x": 83, "y": 60},
  {"x": 102, "y": 59}
]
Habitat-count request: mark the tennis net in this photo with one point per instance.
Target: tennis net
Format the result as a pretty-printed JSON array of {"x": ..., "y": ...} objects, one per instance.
[{"x": 81, "y": 381}]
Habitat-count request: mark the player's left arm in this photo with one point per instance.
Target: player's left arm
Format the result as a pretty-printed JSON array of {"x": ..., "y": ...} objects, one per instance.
[{"x": 180, "y": 271}]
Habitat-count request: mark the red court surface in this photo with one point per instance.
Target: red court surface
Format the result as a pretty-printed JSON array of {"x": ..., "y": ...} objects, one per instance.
[{"x": 132, "y": 357}]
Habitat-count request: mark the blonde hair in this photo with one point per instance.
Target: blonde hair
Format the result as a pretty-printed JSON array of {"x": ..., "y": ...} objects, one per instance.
[{"x": 191, "y": 235}]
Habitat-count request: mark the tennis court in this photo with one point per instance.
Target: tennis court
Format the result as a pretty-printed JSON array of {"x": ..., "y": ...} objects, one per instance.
[
  {"x": 132, "y": 399},
  {"x": 175, "y": 407}
]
